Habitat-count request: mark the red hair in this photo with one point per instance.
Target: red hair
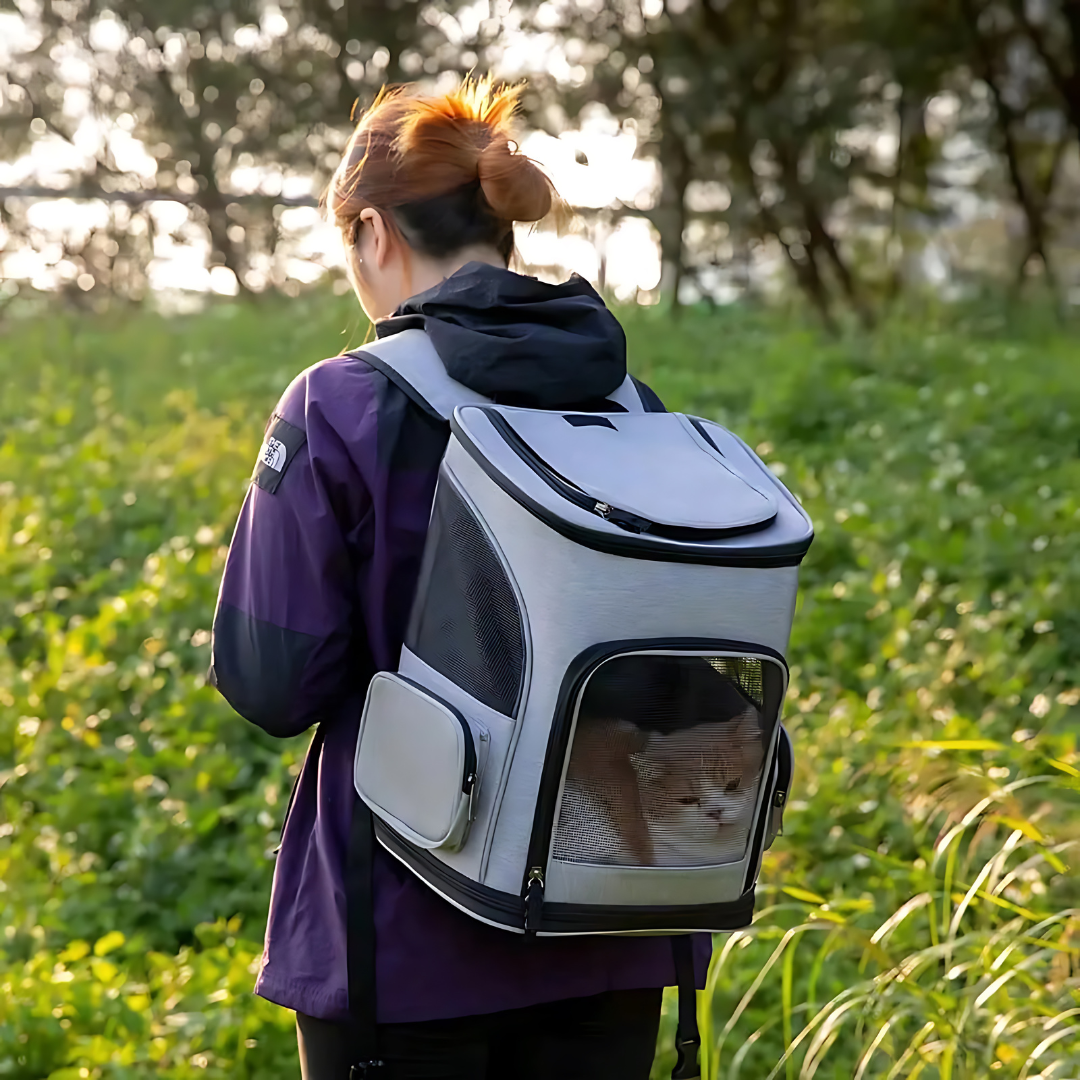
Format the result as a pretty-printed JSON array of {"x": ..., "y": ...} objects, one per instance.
[{"x": 446, "y": 168}]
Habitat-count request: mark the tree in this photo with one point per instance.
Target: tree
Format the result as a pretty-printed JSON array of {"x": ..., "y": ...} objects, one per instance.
[
  {"x": 1030, "y": 61},
  {"x": 210, "y": 88}
]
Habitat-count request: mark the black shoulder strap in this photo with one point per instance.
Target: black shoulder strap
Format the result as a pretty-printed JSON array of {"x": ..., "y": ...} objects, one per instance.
[
  {"x": 360, "y": 944},
  {"x": 687, "y": 1037}
]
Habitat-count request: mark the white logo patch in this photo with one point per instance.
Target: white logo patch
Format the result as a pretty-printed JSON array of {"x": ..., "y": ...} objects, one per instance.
[{"x": 274, "y": 454}]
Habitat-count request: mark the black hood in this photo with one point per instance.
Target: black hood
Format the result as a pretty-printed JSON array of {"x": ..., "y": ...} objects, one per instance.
[{"x": 518, "y": 340}]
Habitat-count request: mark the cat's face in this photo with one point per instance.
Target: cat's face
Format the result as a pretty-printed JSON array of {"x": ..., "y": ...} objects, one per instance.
[{"x": 699, "y": 787}]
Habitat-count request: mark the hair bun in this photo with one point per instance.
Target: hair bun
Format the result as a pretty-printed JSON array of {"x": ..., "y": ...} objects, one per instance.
[{"x": 516, "y": 190}]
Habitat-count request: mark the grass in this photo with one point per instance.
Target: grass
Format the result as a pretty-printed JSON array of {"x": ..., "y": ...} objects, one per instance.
[{"x": 916, "y": 919}]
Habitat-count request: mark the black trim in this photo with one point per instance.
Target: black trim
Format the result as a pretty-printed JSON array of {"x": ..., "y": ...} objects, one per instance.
[
  {"x": 650, "y": 400},
  {"x": 588, "y": 420},
  {"x": 509, "y": 911},
  {"x": 785, "y": 757},
  {"x": 628, "y": 918},
  {"x": 393, "y": 375},
  {"x": 753, "y": 866},
  {"x": 624, "y": 519},
  {"x": 559, "y": 484},
  {"x": 629, "y": 545},
  {"x": 699, "y": 427},
  {"x": 479, "y": 900},
  {"x": 781, "y": 788},
  {"x": 468, "y": 777},
  {"x": 579, "y": 669}
]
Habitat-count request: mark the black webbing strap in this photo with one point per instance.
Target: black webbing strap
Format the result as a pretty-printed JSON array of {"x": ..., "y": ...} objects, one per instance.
[
  {"x": 687, "y": 1038},
  {"x": 360, "y": 944}
]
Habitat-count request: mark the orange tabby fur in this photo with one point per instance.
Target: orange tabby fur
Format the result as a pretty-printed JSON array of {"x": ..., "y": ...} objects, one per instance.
[{"x": 662, "y": 809}]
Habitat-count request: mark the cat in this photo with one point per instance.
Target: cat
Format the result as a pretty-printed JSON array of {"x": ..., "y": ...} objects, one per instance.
[
  {"x": 678, "y": 798},
  {"x": 698, "y": 788}
]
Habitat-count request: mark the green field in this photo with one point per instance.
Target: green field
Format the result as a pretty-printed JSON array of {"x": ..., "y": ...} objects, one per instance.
[{"x": 917, "y": 917}]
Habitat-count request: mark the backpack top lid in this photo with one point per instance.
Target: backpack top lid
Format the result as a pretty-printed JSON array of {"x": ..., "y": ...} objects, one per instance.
[
  {"x": 656, "y": 485},
  {"x": 655, "y": 466}
]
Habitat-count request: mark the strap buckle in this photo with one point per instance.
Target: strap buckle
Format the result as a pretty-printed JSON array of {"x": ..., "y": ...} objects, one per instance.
[
  {"x": 686, "y": 1064},
  {"x": 368, "y": 1070}
]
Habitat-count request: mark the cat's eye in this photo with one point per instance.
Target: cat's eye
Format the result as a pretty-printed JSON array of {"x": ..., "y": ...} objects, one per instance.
[
  {"x": 733, "y": 784},
  {"x": 690, "y": 800}
]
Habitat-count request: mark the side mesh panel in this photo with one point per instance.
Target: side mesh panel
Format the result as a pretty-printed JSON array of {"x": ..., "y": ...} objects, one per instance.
[
  {"x": 666, "y": 762},
  {"x": 465, "y": 621}
]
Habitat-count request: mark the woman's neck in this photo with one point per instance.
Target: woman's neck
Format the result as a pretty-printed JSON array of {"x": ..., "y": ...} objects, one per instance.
[{"x": 428, "y": 272}]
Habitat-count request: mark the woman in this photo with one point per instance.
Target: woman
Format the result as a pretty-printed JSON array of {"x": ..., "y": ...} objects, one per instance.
[{"x": 317, "y": 591}]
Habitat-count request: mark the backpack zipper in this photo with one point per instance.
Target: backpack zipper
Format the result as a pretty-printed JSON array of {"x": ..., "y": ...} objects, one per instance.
[
  {"x": 534, "y": 899},
  {"x": 624, "y": 519},
  {"x": 569, "y": 491},
  {"x": 578, "y": 673},
  {"x": 780, "y": 783}
]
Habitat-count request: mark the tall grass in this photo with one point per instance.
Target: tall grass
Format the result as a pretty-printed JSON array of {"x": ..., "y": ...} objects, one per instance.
[
  {"x": 917, "y": 919},
  {"x": 920, "y": 917}
]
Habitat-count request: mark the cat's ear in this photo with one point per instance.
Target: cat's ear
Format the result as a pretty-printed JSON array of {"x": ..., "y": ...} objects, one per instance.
[
  {"x": 747, "y": 729},
  {"x": 746, "y": 723},
  {"x": 631, "y": 736}
]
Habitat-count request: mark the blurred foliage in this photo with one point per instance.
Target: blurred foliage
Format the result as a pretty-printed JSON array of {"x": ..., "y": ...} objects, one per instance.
[
  {"x": 834, "y": 136},
  {"x": 919, "y": 910},
  {"x": 206, "y": 88},
  {"x": 920, "y": 901},
  {"x": 825, "y": 136}
]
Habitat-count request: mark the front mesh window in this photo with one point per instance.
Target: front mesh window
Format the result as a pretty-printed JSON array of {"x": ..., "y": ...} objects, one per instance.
[
  {"x": 465, "y": 621},
  {"x": 666, "y": 761}
]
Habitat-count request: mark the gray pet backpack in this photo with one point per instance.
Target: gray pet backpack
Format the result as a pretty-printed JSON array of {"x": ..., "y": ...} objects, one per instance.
[{"x": 583, "y": 734}]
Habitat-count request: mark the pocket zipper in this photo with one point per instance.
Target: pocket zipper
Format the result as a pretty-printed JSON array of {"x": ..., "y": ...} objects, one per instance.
[
  {"x": 474, "y": 779},
  {"x": 469, "y": 773}
]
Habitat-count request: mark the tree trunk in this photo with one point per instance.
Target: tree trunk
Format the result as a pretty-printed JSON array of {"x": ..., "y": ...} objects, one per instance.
[
  {"x": 1028, "y": 198},
  {"x": 1067, "y": 82},
  {"x": 202, "y": 169},
  {"x": 670, "y": 215},
  {"x": 821, "y": 240}
]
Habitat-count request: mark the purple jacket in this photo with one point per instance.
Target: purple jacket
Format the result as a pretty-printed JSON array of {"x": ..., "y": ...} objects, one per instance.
[{"x": 315, "y": 597}]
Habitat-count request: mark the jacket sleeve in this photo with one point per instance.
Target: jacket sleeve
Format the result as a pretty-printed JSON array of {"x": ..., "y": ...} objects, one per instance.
[{"x": 288, "y": 642}]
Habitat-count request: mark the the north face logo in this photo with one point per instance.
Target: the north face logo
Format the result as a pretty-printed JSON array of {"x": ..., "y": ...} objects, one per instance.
[
  {"x": 281, "y": 446},
  {"x": 274, "y": 454}
]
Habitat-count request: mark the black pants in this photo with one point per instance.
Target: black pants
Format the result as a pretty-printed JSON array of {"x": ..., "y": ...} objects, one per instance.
[{"x": 610, "y": 1036}]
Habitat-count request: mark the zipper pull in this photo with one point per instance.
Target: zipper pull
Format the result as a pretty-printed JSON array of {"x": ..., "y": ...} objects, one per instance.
[
  {"x": 776, "y": 824},
  {"x": 534, "y": 899},
  {"x": 470, "y": 784},
  {"x": 603, "y": 509}
]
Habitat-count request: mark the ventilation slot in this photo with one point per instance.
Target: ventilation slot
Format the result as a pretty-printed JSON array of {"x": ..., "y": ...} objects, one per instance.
[{"x": 465, "y": 623}]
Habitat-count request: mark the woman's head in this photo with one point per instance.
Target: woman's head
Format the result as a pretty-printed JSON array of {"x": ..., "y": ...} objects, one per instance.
[{"x": 428, "y": 184}]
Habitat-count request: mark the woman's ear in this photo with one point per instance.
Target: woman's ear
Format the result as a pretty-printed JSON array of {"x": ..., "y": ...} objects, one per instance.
[{"x": 382, "y": 240}]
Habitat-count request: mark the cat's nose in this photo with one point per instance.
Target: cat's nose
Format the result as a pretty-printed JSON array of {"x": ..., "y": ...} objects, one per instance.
[{"x": 716, "y": 815}]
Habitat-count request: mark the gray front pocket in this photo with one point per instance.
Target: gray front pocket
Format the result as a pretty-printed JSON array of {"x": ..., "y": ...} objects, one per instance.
[{"x": 418, "y": 763}]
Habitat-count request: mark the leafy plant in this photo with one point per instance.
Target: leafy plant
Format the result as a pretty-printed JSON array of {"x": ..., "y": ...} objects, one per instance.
[{"x": 917, "y": 918}]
